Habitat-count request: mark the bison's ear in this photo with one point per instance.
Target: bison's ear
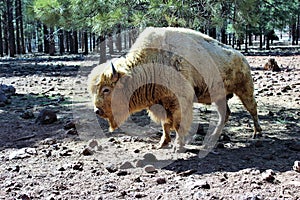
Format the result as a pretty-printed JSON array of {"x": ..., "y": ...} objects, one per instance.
[{"x": 115, "y": 74}]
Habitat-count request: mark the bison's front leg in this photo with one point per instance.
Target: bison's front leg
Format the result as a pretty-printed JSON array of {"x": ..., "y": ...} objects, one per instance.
[{"x": 182, "y": 123}]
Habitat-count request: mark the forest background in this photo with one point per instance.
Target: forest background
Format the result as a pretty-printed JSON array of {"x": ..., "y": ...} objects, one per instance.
[{"x": 57, "y": 27}]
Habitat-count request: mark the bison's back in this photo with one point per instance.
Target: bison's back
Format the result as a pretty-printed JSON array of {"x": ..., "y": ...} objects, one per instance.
[{"x": 204, "y": 61}]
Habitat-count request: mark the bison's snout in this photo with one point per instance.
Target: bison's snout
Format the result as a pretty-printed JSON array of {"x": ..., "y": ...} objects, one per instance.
[{"x": 99, "y": 111}]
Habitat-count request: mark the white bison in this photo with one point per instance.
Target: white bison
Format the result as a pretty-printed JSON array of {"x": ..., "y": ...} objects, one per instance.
[{"x": 165, "y": 71}]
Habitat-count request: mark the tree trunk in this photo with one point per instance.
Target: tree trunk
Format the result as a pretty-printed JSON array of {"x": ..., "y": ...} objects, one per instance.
[
  {"x": 67, "y": 33},
  {"x": 250, "y": 38},
  {"x": 212, "y": 32},
  {"x": 125, "y": 39},
  {"x": 91, "y": 42},
  {"x": 17, "y": 14},
  {"x": 29, "y": 39},
  {"x": 267, "y": 43},
  {"x": 119, "y": 39},
  {"x": 102, "y": 49},
  {"x": 46, "y": 39},
  {"x": 94, "y": 41},
  {"x": 1, "y": 39},
  {"x": 5, "y": 33},
  {"x": 80, "y": 43},
  {"x": 223, "y": 36},
  {"x": 75, "y": 39},
  {"x": 11, "y": 34},
  {"x": 23, "y": 49},
  {"x": 246, "y": 39},
  {"x": 39, "y": 37},
  {"x": 260, "y": 39},
  {"x": 298, "y": 29},
  {"x": 110, "y": 44},
  {"x": 129, "y": 38},
  {"x": 51, "y": 42},
  {"x": 61, "y": 42},
  {"x": 86, "y": 43}
]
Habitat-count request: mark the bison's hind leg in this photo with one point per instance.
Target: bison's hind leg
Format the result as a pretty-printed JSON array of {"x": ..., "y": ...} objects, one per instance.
[
  {"x": 158, "y": 114},
  {"x": 247, "y": 98},
  {"x": 228, "y": 112}
]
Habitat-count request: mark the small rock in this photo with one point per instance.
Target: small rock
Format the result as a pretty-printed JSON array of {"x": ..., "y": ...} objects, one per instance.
[
  {"x": 269, "y": 176},
  {"x": 150, "y": 169},
  {"x": 72, "y": 131},
  {"x": 46, "y": 117},
  {"x": 126, "y": 165},
  {"x": 296, "y": 166},
  {"x": 149, "y": 157},
  {"x": 22, "y": 153},
  {"x": 14, "y": 169},
  {"x": 95, "y": 145},
  {"x": 270, "y": 113},
  {"x": 295, "y": 146},
  {"x": 258, "y": 143},
  {"x": 87, "y": 151},
  {"x": 61, "y": 169},
  {"x": 3, "y": 97},
  {"x": 188, "y": 172},
  {"x": 122, "y": 173},
  {"x": 78, "y": 166},
  {"x": 111, "y": 168},
  {"x": 69, "y": 125},
  {"x": 27, "y": 114},
  {"x": 140, "y": 163},
  {"x": 199, "y": 184},
  {"x": 8, "y": 89},
  {"x": 220, "y": 145},
  {"x": 225, "y": 137},
  {"x": 66, "y": 152},
  {"x": 138, "y": 180},
  {"x": 140, "y": 195},
  {"x": 286, "y": 88},
  {"x": 136, "y": 151},
  {"x": 109, "y": 187},
  {"x": 24, "y": 197},
  {"x": 161, "y": 180},
  {"x": 48, "y": 141},
  {"x": 272, "y": 65}
]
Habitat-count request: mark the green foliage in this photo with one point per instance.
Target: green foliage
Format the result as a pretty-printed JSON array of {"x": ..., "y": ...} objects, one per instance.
[
  {"x": 104, "y": 16},
  {"x": 48, "y": 12}
]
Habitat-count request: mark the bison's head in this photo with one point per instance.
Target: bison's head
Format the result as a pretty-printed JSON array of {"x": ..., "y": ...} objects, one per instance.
[{"x": 101, "y": 88}]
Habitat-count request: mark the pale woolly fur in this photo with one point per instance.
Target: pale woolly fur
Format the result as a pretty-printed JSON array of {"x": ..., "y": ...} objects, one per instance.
[{"x": 211, "y": 71}]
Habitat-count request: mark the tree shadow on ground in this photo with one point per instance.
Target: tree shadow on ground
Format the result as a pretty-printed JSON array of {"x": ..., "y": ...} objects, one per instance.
[
  {"x": 18, "y": 132},
  {"x": 41, "y": 66},
  {"x": 277, "y": 149},
  {"x": 17, "y": 70},
  {"x": 263, "y": 154}
]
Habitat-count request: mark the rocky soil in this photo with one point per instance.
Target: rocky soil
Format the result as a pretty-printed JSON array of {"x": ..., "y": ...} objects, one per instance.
[{"x": 52, "y": 146}]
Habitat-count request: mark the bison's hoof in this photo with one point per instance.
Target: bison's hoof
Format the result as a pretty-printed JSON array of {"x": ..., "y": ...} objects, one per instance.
[
  {"x": 257, "y": 135},
  {"x": 163, "y": 146},
  {"x": 179, "y": 149}
]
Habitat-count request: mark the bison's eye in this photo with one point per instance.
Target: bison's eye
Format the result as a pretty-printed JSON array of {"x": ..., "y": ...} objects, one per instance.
[{"x": 105, "y": 90}]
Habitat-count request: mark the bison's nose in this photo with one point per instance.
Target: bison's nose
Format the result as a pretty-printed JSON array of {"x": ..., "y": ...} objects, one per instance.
[{"x": 99, "y": 111}]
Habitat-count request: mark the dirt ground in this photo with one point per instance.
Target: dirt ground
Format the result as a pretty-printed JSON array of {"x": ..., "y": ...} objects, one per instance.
[{"x": 76, "y": 158}]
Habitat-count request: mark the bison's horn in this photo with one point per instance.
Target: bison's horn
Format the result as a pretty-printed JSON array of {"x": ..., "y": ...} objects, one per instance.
[
  {"x": 115, "y": 75},
  {"x": 114, "y": 71}
]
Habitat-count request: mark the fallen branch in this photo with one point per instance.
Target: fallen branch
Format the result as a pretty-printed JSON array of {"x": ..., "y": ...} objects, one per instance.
[{"x": 26, "y": 137}]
